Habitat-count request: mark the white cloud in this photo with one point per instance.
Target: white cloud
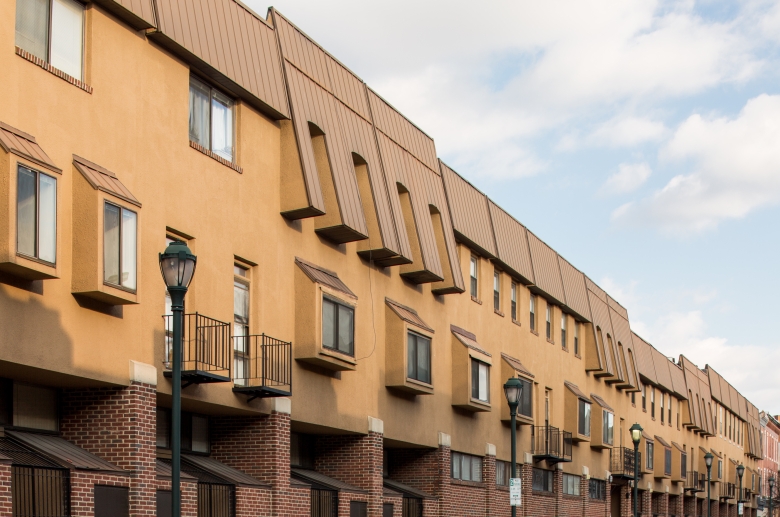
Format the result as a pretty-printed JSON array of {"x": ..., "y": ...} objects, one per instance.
[
  {"x": 736, "y": 170},
  {"x": 628, "y": 178},
  {"x": 623, "y": 131}
]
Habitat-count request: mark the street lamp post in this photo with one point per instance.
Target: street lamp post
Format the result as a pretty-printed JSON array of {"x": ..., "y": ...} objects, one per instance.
[
  {"x": 771, "y": 486},
  {"x": 513, "y": 390},
  {"x": 636, "y": 436},
  {"x": 177, "y": 265},
  {"x": 740, "y": 473},
  {"x": 708, "y": 461}
]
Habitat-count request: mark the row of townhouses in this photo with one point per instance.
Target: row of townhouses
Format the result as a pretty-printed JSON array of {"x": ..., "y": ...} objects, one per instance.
[{"x": 356, "y": 308}]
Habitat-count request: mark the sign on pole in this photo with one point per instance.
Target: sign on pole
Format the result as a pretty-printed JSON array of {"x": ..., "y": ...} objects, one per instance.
[
  {"x": 739, "y": 508},
  {"x": 515, "y": 492}
]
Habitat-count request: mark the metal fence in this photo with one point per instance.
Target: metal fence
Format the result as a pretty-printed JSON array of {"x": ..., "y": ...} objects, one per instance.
[
  {"x": 206, "y": 344},
  {"x": 324, "y": 503},
  {"x": 550, "y": 442},
  {"x": 40, "y": 492},
  {"x": 264, "y": 363},
  {"x": 413, "y": 507},
  {"x": 216, "y": 500},
  {"x": 622, "y": 461}
]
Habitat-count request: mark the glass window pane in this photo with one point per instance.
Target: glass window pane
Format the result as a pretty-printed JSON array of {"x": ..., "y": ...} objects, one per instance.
[
  {"x": 465, "y": 467},
  {"x": 199, "y": 113},
  {"x": 200, "y": 433},
  {"x": 32, "y": 27},
  {"x": 129, "y": 236},
  {"x": 474, "y": 379},
  {"x": 345, "y": 329},
  {"x": 47, "y": 219},
  {"x": 423, "y": 359},
  {"x": 25, "y": 212},
  {"x": 35, "y": 407},
  {"x": 476, "y": 468},
  {"x": 411, "y": 356},
  {"x": 111, "y": 244},
  {"x": 455, "y": 465},
  {"x": 328, "y": 324},
  {"x": 222, "y": 126},
  {"x": 67, "y": 35},
  {"x": 483, "y": 382},
  {"x": 240, "y": 303}
]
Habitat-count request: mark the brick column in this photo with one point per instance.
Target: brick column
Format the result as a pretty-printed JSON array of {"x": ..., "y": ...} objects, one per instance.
[
  {"x": 645, "y": 503},
  {"x": 584, "y": 493},
  {"x": 119, "y": 425},
  {"x": 426, "y": 470},
  {"x": 527, "y": 473},
  {"x": 558, "y": 488},
  {"x": 5, "y": 488},
  {"x": 626, "y": 501},
  {"x": 493, "y": 498},
  {"x": 260, "y": 446},
  {"x": 356, "y": 460},
  {"x": 676, "y": 505}
]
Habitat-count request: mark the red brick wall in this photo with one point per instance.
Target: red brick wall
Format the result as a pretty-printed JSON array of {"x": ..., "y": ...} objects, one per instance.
[
  {"x": 119, "y": 425},
  {"x": 689, "y": 506},
  {"x": 253, "y": 502},
  {"x": 466, "y": 499},
  {"x": 397, "y": 503},
  {"x": 189, "y": 496},
  {"x": 82, "y": 490},
  {"x": 298, "y": 503},
  {"x": 5, "y": 490},
  {"x": 676, "y": 505}
]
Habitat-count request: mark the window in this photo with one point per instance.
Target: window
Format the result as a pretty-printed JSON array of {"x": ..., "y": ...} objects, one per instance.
[
  {"x": 480, "y": 381},
  {"x": 36, "y": 215},
  {"x": 720, "y": 469},
  {"x": 302, "y": 450},
  {"x": 663, "y": 396},
  {"x": 649, "y": 455},
  {"x": 583, "y": 426},
  {"x": 514, "y": 301},
  {"x": 633, "y": 398},
  {"x": 683, "y": 464},
  {"x": 358, "y": 509},
  {"x": 669, "y": 411},
  {"x": 473, "y": 273},
  {"x": 597, "y": 489},
  {"x": 720, "y": 411},
  {"x": 542, "y": 480},
  {"x": 571, "y": 484},
  {"x": 35, "y": 407},
  {"x": 52, "y": 30},
  {"x": 418, "y": 349},
  {"x": 496, "y": 291},
  {"x": 532, "y": 310},
  {"x": 667, "y": 462},
  {"x": 549, "y": 321},
  {"x": 338, "y": 326},
  {"x": 240, "y": 324},
  {"x": 194, "y": 431},
  {"x": 211, "y": 119},
  {"x": 608, "y": 427},
  {"x": 652, "y": 402},
  {"x": 163, "y": 428},
  {"x": 644, "y": 398},
  {"x": 564, "y": 344},
  {"x": 577, "y": 338},
  {"x": 503, "y": 473},
  {"x": 111, "y": 501},
  {"x": 466, "y": 467},
  {"x": 120, "y": 227},
  {"x": 525, "y": 405}
]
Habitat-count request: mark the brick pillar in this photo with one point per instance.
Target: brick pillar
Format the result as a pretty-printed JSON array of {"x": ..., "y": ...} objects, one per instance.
[
  {"x": 608, "y": 500},
  {"x": 5, "y": 488},
  {"x": 443, "y": 484},
  {"x": 584, "y": 490},
  {"x": 626, "y": 501},
  {"x": 423, "y": 469},
  {"x": 356, "y": 460},
  {"x": 527, "y": 474},
  {"x": 676, "y": 505},
  {"x": 558, "y": 489},
  {"x": 260, "y": 446},
  {"x": 645, "y": 503},
  {"x": 119, "y": 425},
  {"x": 493, "y": 504}
]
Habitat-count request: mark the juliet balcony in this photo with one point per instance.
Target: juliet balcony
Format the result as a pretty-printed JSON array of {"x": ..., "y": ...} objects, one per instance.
[
  {"x": 262, "y": 366},
  {"x": 206, "y": 349},
  {"x": 695, "y": 482},
  {"x": 622, "y": 461},
  {"x": 550, "y": 444}
]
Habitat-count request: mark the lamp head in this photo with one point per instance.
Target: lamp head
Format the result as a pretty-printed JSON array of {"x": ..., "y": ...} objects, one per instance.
[
  {"x": 513, "y": 390},
  {"x": 740, "y": 470},
  {"x": 771, "y": 481},
  {"x": 636, "y": 433},
  {"x": 177, "y": 265},
  {"x": 708, "y": 459}
]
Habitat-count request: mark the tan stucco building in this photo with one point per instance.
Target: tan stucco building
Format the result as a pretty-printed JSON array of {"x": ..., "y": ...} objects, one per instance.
[{"x": 356, "y": 308}]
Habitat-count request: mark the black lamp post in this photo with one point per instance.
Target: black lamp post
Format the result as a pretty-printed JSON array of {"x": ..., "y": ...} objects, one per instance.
[
  {"x": 177, "y": 265},
  {"x": 513, "y": 390},
  {"x": 771, "y": 486},
  {"x": 636, "y": 437},
  {"x": 740, "y": 473},
  {"x": 708, "y": 461}
]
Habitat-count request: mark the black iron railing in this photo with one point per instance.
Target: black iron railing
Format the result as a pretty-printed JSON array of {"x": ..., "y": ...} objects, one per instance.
[
  {"x": 324, "y": 503},
  {"x": 216, "y": 500},
  {"x": 622, "y": 461},
  {"x": 262, "y": 365},
  {"x": 206, "y": 348},
  {"x": 728, "y": 491},
  {"x": 40, "y": 491},
  {"x": 551, "y": 443},
  {"x": 695, "y": 482}
]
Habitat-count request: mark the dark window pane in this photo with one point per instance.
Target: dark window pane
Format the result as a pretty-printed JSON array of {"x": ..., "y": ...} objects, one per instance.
[
  {"x": 26, "y": 212},
  {"x": 474, "y": 379},
  {"x": 358, "y": 509},
  {"x": 526, "y": 406},
  {"x": 164, "y": 503},
  {"x": 411, "y": 356},
  {"x": 111, "y": 244},
  {"x": 112, "y": 501},
  {"x": 423, "y": 359},
  {"x": 345, "y": 329}
]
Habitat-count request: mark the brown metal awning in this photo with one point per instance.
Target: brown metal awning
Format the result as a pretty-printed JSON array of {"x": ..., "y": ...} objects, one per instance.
[
  {"x": 103, "y": 179},
  {"x": 406, "y": 489},
  {"x": 646, "y": 436},
  {"x": 407, "y": 314},
  {"x": 663, "y": 442},
  {"x": 468, "y": 339},
  {"x": 678, "y": 447},
  {"x": 517, "y": 365},
  {"x": 576, "y": 390},
  {"x": 714, "y": 452},
  {"x": 64, "y": 452},
  {"x": 324, "y": 276},
  {"x": 222, "y": 471},
  {"x": 22, "y": 144},
  {"x": 164, "y": 471},
  {"x": 316, "y": 479},
  {"x": 601, "y": 402}
]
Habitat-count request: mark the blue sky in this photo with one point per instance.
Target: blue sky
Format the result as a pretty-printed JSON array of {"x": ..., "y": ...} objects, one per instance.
[{"x": 640, "y": 139}]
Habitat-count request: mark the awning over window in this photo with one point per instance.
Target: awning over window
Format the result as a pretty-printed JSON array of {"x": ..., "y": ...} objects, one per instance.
[
  {"x": 601, "y": 402},
  {"x": 209, "y": 470},
  {"x": 468, "y": 339},
  {"x": 322, "y": 481},
  {"x": 324, "y": 276},
  {"x": 164, "y": 471},
  {"x": 517, "y": 365},
  {"x": 22, "y": 144},
  {"x": 63, "y": 453},
  {"x": 678, "y": 447},
  {"x": 576, "y": 390},
  {"x": 103, "y": 179},
  {"x": 407, "y": 314},
  {"x": 406, "y": 490},
  {"x": 663, "y": 442}
]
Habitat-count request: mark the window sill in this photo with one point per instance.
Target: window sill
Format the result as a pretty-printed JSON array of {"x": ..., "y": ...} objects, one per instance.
[
  {"x": 476, "y": 300},
  {"x": 535, "y": 333},
  {"x": 475, "y": 484},
  {"x": 498, "y": 312},
  {"x": 54, "y": 71},
  {"x": 215, "y": 156},
  {"x": 550, "y": 341},
  {"x": 517, "y": 323},
  {"x": 543, "y": 493},
  {"x": 502, "y": 488},
  {"x": 572, "y": 496}
]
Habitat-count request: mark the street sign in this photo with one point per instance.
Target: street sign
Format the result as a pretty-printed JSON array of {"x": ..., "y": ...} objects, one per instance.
[
  {"x": 515, "y": 492},
  {"x": 740, "y": 508}
]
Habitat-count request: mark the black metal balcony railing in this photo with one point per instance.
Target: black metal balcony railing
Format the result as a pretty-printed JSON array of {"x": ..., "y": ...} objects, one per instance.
[
  {"x": 550, "y": 443},
  {"x": 695, "y": 482},
  {"x": 622, "y": 461},
  {"x": 206, "y": 349},
  {"x": 728, "y": 491},
  {"x": 262, "y": 366}
]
